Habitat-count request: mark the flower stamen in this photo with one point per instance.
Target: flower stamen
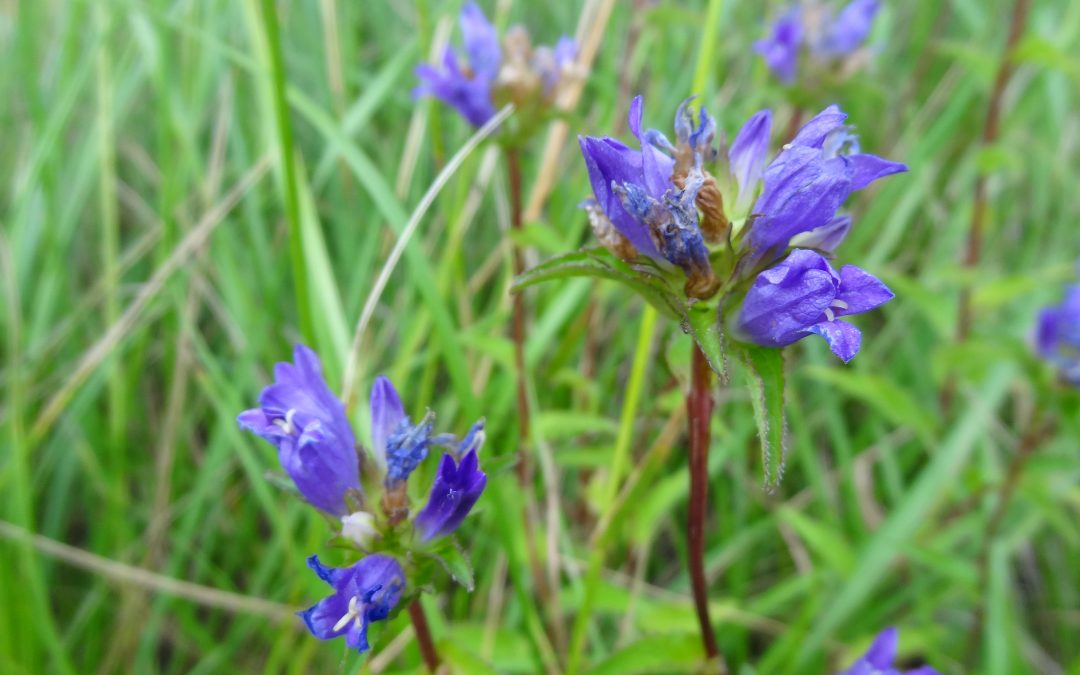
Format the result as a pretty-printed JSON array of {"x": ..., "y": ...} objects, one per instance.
[{"x": 355, "y": 613}]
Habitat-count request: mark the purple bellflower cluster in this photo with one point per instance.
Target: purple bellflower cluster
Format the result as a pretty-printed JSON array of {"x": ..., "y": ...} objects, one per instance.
[
  {"x": 1057, "y": 336},
  {"x": 495, "y": 72},
  {"x": 826, "y": 37},
  {"x": 878, "y": 659},
  {"x": 663, "y": 201},
  {"x": 307, "y": 423}
]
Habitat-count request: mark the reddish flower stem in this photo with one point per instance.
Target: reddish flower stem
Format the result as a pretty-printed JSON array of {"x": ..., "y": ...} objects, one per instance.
[
  {"x": 423, "y": 635},
  {"x": 989, "y": 136},
  {"x": 699, "y": 406}
]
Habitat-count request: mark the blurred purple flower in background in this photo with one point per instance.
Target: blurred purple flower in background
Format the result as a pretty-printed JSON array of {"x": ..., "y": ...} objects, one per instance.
[
  {"x": 804, "y": 295},
  {"x": 363, "y": 592},
  {"x": 814, "y": 26},
  {"x": 467, "y": 88},
  {"x": 495, "y": 70},
  {"x": 879, "y": 658},
  {"x": 457, "y": 486},
  {"x": 780, "y": 49},
  {"x": 849, "y": 29},
  {"x": 1057, "y": 335},
  {"x": 302, "y": 417}
]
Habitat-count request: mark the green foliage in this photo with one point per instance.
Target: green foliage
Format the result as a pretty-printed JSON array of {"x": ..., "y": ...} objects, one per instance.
[{"x": 151, "y": 233}]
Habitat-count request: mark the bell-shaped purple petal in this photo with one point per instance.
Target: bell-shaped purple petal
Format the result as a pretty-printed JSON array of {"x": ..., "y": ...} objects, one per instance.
[
  {"x": 879, "y": 658},
  {"x": 849, "y": 29},
  {"x": 780, "y": 49},
  {"x": 453, "y": 494},
  {"x": 364, "y": 592},
  {"x": 481, "y": 42},
  {"x": 802, "y": 192},
  {"x": 802, "y": 295},
  {"x": 307, "y": 423},
  {"x": 387, "y": 412},
  {"x": 747, "y": 154},
  {"x": 787, "y": 299},
  {"x": 406, "y": 447}
]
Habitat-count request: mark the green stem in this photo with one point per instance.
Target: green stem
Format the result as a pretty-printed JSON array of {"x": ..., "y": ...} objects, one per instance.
[
  {"x": 292, "y": 198},
  {"x": 619, "y": 461}
]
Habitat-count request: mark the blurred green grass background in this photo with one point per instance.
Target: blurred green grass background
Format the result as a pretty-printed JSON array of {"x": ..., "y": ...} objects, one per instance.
[{"x": 149, "y": 288}]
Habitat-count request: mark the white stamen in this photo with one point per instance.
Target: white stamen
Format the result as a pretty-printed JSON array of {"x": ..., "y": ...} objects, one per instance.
[
  {"x": 787, "y": 146},
  {"x": 353, "y": 613},
  {"x": 839, "y": 304},
  {"x": 829, "y": 314},
  {"x": 287, "y": 424}
]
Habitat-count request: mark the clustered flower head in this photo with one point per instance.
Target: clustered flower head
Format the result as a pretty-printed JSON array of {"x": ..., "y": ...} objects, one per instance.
[
  {"x": 669, "y": 202},
  {"x": 495, "y": 72},
  {"x": 878, "y": 659},
  {"x": 366, "y": 490},
  {"x": 826, "y": 37},
  {"x": 1057, "y": 335}
]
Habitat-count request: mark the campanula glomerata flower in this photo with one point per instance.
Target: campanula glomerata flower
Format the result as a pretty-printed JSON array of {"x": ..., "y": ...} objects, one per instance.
[
  {"x": 302, "y": 417},
  {"x": 364, "y": 592},
  {"x": 878, "y": 660},
  {"x": 1057, "y": 335},
  {"x": 458, "y": 484},
  {"x": 804, "y": 295}
]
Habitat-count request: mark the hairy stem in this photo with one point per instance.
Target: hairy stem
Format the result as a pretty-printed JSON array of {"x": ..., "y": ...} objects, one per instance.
[
  {"x": 699, "y": 406},
  {"x": 423, "y": 635}
]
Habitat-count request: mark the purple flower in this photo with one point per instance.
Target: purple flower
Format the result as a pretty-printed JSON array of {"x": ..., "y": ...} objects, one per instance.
[
  {"x": 456, "y": 488},
  {"x": 878, "y": 660},
  {"x": 747, "y": 154},
  {"x": 611, "y": 163},
  {"x": 466, "y": 89},
  {"x": 781, "y": 48},
  {"x": 803, "y": 294},
  {"x": 849, "y": 29},
  {"x": 302, "y": 417},
  {"x": 364, "y": 592},
  {"x": 1057, "y": 335},
  {"x": 809, "y": 180},
  {"x": 397, "y": 443}
]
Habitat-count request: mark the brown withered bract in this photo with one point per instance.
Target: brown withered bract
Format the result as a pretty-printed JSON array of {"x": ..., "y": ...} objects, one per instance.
[
  {"x": 607, "y": 235},
  {"x": 395, "y": 503}
]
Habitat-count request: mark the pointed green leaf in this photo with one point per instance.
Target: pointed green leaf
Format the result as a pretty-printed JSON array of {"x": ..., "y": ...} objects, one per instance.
[
  {"x": 766, "y": 371},
  {"x": 599, "y": 263},
  {"x": 703, "y": 323},
  {"x": 455, "y": 563}
]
